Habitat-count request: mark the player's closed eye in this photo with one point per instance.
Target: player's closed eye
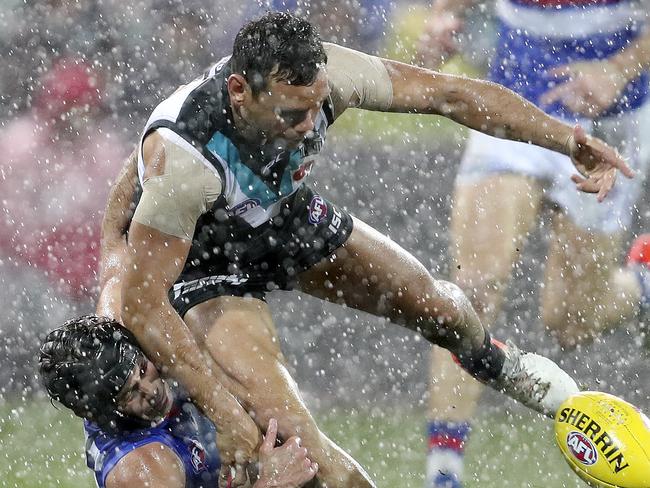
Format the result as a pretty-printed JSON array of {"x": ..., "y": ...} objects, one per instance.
[{"x": 292, "y": 117}]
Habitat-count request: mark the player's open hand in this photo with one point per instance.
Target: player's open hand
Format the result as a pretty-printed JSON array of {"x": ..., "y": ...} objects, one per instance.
[
  {"x": 286, "y": 466},
  {"x": 237, "y": 449},
  {"x": 597, "y": 163},
  {"x": 438, "y": 41},
  {"x": 586, "y": 88}
]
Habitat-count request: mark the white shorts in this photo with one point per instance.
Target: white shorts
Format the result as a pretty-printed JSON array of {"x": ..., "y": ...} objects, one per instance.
[{"x": 487, "y": 156}]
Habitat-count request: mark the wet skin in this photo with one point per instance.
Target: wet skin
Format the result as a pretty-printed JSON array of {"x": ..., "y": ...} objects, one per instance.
[
  {"x": 283, "y": 114},
  {"x": 145, "y": 394}
]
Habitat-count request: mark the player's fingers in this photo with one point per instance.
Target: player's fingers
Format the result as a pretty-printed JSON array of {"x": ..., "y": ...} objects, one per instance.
[
  {"x": 586, "y": 185},
  {"x": 606, "y": 184},
  {"x": 561, "y": 71},
  {"x": 577, "y": 179},
  {"x": 240, "y": 477},
  {"x": 623, "y": 167},
  {"x": 310, "y": 470},
  {"x": 556, "y": 94},
  {"x": 271, "y": 435},
  {"x": 226, "y": 475}
]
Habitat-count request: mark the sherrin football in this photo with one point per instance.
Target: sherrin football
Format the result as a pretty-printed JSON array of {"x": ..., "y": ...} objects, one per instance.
[{"x": 605, "y": 440}]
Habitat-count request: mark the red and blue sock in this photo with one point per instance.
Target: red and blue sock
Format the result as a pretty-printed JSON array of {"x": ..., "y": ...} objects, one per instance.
[{"x": 445, "y": 454}]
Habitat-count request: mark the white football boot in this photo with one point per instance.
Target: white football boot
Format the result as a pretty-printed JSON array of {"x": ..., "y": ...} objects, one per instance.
[{"x": 534, "y": 380}]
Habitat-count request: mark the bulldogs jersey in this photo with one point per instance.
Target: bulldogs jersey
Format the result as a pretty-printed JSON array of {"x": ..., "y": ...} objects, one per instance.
[
  {"x": 535, "y": 35},
  {"x": 186, "y": 431}
]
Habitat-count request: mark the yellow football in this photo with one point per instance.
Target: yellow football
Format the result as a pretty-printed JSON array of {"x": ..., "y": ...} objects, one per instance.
[{"x": 605, "y": 440}]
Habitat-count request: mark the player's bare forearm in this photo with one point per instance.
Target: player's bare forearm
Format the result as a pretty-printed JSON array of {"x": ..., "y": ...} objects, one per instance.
[
  {"x": 635, "y": 57},
  {"x": 480, "y": 105},
  {"x": 155, "y": 261},
  {"x": 455, "y": 7}
]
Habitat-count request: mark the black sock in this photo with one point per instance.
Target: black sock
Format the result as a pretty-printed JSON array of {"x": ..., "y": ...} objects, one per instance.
[{"x": 486, "y": 362}]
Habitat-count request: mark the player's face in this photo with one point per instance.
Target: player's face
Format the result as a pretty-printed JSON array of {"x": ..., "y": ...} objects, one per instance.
[
  {"x": 145, "y": 394},
  {"x": 285, "y": 114}
]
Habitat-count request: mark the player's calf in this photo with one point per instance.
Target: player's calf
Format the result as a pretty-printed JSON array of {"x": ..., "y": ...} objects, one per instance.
[{"x": 531, "y": 379}]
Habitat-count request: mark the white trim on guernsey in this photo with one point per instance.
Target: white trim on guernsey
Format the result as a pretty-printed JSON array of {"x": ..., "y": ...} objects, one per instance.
[
  {"x": 569, "y": 22},
  {"x": 171, "y": 136},
  {"x": 168, "y": 109}
]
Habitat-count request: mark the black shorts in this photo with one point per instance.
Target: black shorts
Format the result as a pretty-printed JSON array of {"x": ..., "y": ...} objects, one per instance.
[{"x": 230, "y": 259}]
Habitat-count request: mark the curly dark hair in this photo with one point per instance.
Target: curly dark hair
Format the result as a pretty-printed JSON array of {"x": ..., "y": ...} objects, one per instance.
[
  {"x": 278, "y": 45},
  {"x": 85, "y": 363}
]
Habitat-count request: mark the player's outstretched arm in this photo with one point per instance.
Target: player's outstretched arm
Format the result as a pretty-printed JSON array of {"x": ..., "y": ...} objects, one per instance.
[
  {"x": 153, "y": 464},
  {"x": 498, "y": 111},
  {"x": 154, "y": 262}
]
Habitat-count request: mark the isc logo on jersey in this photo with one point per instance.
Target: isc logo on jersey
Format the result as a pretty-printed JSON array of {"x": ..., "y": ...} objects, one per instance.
[{"x": 605, "y": 440}]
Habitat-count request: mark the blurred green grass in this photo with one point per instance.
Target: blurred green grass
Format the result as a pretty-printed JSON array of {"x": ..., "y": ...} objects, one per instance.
[{"x": 43, "y": 447}]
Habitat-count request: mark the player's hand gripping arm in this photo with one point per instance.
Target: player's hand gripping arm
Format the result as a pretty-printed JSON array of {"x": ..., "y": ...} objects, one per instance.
[
  {"x": 438, "y": 41},
  {"x": 155, "y": 260},
  {"x": 498, "y": 111},
  {"x": 156, "y": 465},
  {"x": 117, "y": 216},
  {"x": 591, "y": 87},
  {"x": 285, "y": 466}
]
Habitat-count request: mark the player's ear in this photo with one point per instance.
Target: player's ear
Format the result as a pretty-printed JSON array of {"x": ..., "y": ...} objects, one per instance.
[{"x": 238, "y": 89}]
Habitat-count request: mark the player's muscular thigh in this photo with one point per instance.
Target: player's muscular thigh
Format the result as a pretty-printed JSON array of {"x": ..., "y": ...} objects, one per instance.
[
  {"x": 374, "y": 274},
  {"x": 240, "y": 336}
]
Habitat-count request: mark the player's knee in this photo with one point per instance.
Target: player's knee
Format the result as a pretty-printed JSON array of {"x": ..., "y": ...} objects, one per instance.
[{"x": 446, "y": 313}]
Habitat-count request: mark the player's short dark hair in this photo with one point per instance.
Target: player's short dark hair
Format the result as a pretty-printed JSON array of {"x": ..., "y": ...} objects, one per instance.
[
  {"x": 85, "y": 363},
  {"x": 278, "y": 45}
]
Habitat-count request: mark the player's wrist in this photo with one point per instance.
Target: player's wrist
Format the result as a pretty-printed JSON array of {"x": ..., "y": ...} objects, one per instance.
[{"x": 556, "y": 136}]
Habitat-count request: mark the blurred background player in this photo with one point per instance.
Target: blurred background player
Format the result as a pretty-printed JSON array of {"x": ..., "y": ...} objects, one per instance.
[
  {"x": 58, "y": 160},
  {"x": 142, "y": 430},
  {"x": 583, "y": 61}
]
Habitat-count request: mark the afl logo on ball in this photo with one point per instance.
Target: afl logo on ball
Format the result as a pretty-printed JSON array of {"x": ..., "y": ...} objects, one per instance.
[
  {"x": 317, "y": 210},
  {"x": 582, "y": 448},
  {"x": 197, "y": 455}
]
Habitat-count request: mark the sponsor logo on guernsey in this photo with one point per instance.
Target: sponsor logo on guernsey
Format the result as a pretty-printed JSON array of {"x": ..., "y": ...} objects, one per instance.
[
  {"x": 317, "y": 210},
  {"x": 582, "y": 448},
  {"x": 190, "y": 286},
  {"x": 337, "y": 218},
  {"x": 592, "y": 430},
  {"x": 267, "y": 169},
  {"x": 245, "y": 206},
  {"x": 303, "y": 170},
  {"x": 197, "y": 456}
]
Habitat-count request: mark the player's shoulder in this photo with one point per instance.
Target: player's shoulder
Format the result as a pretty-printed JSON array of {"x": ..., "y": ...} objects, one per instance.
[
  {"x": 336, "y": 53},
  {"x": 152, "y": 464}
]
